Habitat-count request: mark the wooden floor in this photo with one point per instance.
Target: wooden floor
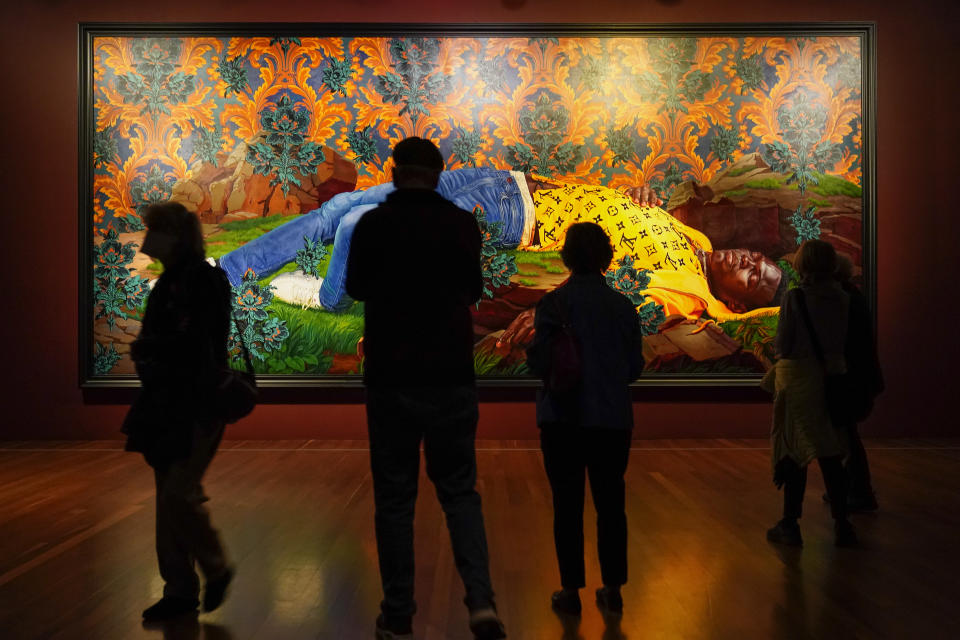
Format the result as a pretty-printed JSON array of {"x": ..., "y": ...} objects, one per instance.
[{"x": 76, "y": 546}]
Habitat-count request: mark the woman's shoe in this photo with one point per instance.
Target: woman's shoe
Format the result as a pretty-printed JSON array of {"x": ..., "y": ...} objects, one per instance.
[
  {"x": 845, "y": 534},
  {"x": 169, "y": 608},
  {"x": 394, "y": 629},
  {"x": 566, "y": 601},
  {"x": 609, "y": 600},
  {"x": 786, "y": 532}
]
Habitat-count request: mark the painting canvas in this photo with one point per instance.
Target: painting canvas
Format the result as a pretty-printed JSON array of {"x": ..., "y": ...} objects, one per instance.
[{"x": 279, "y": 137}]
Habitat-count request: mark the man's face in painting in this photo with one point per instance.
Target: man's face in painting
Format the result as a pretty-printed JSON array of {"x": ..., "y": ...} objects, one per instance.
[{"x": 743, "y": 279}]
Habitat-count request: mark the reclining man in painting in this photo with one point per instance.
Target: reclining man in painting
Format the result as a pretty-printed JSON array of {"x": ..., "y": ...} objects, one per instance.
[{"x": 688, "y": 278}]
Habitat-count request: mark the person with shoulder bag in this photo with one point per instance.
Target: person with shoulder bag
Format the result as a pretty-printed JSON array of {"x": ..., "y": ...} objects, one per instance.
[
  {"x": 588, "y": 348},
  {"x": 808, "y": 382},
  {"x": 175, "y": 422},
  {"x": 866, "y": 383}
]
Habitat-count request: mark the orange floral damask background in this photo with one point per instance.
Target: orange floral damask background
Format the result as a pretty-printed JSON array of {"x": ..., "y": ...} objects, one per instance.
[{"x": 608, "y": 110}]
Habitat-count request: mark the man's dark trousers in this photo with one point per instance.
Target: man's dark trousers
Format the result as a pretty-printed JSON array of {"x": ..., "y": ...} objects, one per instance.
[{"x": 445, "y": 420}]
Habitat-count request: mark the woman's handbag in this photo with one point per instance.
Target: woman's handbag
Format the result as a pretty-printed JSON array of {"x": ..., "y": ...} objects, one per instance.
[
  {"x": 566, "y": 362},
  {"x": 845, "y": 397},
  {"x": 236, "y": 392}
]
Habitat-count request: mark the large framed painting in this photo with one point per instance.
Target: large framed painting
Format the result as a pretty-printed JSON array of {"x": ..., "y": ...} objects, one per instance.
[{"x": 755, "y": 137}]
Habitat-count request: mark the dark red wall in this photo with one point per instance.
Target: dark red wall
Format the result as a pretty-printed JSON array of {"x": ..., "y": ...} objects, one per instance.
[{"x": 917, "y": 225}]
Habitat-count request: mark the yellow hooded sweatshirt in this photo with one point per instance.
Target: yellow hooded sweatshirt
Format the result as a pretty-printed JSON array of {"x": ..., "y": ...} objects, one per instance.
[{"x": 652, "y": 237}]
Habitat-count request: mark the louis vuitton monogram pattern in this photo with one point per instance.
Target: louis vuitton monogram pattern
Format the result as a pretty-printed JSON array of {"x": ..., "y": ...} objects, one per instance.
[{"x": 650, "y": 235}]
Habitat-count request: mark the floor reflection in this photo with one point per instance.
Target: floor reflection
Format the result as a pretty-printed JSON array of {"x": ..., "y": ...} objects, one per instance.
[
  {"x": 790, "y": 613},
  {"x": 571, "y": 626},
  {"x": 189, "y": 628},
  {"x": 612, "y": 630}
]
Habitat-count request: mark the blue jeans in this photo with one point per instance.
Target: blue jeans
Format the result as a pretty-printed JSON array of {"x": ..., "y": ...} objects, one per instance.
[{"x": 495, "y": 190}]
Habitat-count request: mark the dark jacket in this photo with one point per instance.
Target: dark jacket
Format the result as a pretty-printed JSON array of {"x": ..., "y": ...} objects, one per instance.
[
  {"x": 415, "y": 263},
  {"x": 860, "y": 351},
  {"x": 181, "y": 347},
  {"x": 611, "y": 348}
]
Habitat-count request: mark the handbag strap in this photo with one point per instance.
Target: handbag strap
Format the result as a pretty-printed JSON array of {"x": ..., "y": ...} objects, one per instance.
[
  {"x": 814, "y": 340},
  {"x": 561, "y": 312}
]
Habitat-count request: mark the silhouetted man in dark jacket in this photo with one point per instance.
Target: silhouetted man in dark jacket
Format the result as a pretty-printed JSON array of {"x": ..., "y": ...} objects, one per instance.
[{"x": 418, "y": 370}]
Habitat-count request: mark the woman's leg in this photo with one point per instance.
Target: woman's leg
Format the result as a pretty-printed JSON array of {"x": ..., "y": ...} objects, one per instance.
[
  {"x": 794, "y": 488},
  {"x": 565, "y": 465},
  {"x": 794, "y": 479},
  {"x": 835, "y": 480},
  {"x": 609, "y": 451}
]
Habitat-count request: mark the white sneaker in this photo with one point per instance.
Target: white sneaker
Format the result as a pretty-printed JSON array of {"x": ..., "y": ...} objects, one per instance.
[{"x": 298, "y": 288}]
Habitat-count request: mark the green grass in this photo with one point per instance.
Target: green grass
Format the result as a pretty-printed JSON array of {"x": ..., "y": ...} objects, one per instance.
[
  {"x": 314, "y": 336},
  {"x": 820, "y": 204},
  {"x": 316, "y": 331},
  {"x": 766, "y": 183},
  {"x": 542, "y": 259},
  {"x": 736, "y": 192},
  {"x": 754, "y": 334},
  {"x": 527, "y": 282},
  {"x": 490, "y": 364},
  {"x": 240, "y": 232},
  {"x": 834, "y": 186},
  {"x": 739, "y": 171},
  {"x": 549, "y": 261},
  {"x": 829, "y": 185}
]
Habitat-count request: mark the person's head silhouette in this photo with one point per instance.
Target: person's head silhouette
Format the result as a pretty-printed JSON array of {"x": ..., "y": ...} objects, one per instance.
[
  {"x": 587, "y": 249},
  {"x": 417, "y": 164},
  {"x": 173, "y": 235}
]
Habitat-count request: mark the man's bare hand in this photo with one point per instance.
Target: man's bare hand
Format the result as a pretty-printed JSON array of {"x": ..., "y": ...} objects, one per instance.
[
  {"x": 644, "y": 196},
  {"x": 519, "y": 332}
]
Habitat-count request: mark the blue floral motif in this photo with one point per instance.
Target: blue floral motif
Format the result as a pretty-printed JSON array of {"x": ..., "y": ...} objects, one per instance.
[
  {"x": 543, "y": 151},
  {"x": 155, "y": 84},
  {"x": 497, "y": 266},
  {"x": 285, "y": 152},
  {"x": 310, "y": 256},
  {"x": 632, "y": 282},
  {"x": 252, "y": 325},
  {"x": 104, "y": 358},
  {"x": 806, "y": 224},
  {"x": 336, "y": 75},
  {"x": 416, "y": 82},
  {"x": 233, "y": 74},
  {"x": 117, "y": 293},
  {"x": 801, "y": 125},
  {"x": 362, "y": 144},
  {"x": 151, "y": 189}
]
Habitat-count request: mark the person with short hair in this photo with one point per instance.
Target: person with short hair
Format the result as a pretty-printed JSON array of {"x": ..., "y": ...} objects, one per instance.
[
  {"x": 418, "y": 370},
  {"x": 181, "y": 347},
  {"x": 863, "y": 366},
  {"x": 586, "y": 430},
  {"x": 802, "y": 428}
]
